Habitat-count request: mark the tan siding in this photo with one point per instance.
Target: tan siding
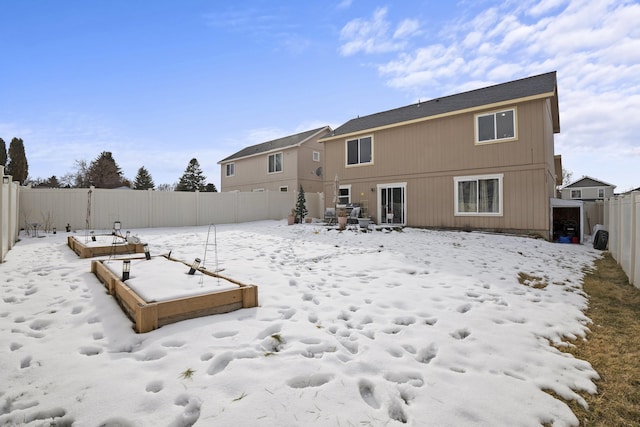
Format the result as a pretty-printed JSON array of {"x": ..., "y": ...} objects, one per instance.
[
  {"x": 298, "y": 168},
  {"x": 428, "y": 155}
]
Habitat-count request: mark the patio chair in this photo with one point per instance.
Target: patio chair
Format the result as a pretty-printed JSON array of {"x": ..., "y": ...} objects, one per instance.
[
  {"x": 354, "y": 215},
  {"x": 330, "y": 216}
]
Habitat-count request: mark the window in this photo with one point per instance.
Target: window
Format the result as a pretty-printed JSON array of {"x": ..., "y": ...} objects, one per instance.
[
  {"x": 360, "y": 151},
  {"x": 478, "y": 195},
  {"x": 496, "y": 126},
  {"x": 284, "y": 189},
  {"x": 576, "y": 194},
  {"x": 600, "y": 193},
  {"x": 275, "y": 163},
  {"x": 231, "y": 169},
  {"x": 344, "y": 195},
  {"x": 316, "y": 156}
]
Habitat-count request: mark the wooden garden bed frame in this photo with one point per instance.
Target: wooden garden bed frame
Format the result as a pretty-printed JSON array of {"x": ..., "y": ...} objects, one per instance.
[
  {"x": 149, "y": 316},
  {"x": 85, "y": 251}
]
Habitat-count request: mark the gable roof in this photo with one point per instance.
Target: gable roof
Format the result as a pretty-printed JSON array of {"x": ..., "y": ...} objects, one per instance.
[
  {"x": 277, "y": 144},
  {"x": 587, "y": 181},
  {"x": 535, "y": 87}
]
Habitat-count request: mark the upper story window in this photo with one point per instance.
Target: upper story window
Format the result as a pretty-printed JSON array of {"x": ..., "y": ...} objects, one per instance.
[
  {"x": 576, "y": 194},
  {"x": 316, "y": 156},
  {"x": 478, "y": 195},
  {"x": 600, "y": 193},
  {"x": 496, "y": 126},
  {"x": 359, "y": 151},
  {"x": 231, "y": 169},
  {"x": 275, "y": 163},
  {"x": 284, "y": 188}
]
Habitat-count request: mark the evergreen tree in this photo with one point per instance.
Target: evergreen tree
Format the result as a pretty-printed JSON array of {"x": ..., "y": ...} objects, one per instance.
[
  {"x": 104, "y": 172},
  {"x": 17, "y": 165},
  {"x": 3, "y": 153},
  {"x": 143, "y": 180},
  {"x": 301, "y": 207},
  {"x": 53, "y": 182},
  {"x": 192, "y": 179},
  {"x": 210, "y": 188}
]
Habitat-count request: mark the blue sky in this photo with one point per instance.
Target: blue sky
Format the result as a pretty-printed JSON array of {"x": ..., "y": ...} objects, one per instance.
[{"x": 160, "y": 82}]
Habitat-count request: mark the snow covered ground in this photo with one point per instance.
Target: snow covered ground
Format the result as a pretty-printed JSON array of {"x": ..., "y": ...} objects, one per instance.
[{"x": 419, "y": 328}]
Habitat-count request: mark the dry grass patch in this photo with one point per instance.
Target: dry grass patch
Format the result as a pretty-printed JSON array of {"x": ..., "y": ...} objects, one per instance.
[
  {"x": 532, "y": 281},
  {"x": 612, "y": 347}
]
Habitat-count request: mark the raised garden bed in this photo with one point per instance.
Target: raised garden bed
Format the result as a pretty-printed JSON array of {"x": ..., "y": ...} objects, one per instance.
[
  {"x": 159, "y": 291},
  {"x": 104, "y": 245}
]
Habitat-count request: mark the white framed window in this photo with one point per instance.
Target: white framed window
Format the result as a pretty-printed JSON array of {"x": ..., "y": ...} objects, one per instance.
[
  {"x": 478, "y": 195},
  {"x": 231, "y": 169},
  {"x": 344, "y": 195},
  {"x": 316, "y": 156},
  {"x": 359, "y": 151},
  {"x": 576, "y": 194},
  {"x": 275, "y": 163},
  {"x": 600, "y": 193},
  {"x": 284, "y": 189},
  {"x": 496, "y": 126}
]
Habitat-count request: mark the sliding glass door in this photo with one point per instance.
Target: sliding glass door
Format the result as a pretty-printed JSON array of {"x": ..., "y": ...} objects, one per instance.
[{"x": 392, "y": 205}]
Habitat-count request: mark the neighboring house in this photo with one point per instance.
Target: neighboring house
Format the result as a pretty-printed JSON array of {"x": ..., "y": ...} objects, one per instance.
[
  {"x": 588, "y": 189},
  {"x": 482, "y": 159},
  {"x": 279, "y": 165}
]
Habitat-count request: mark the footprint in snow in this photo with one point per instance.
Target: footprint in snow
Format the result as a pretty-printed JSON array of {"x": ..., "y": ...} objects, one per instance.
[
  {"x": 314, "y": 380},
  {"x": 76, "y": 310},
  {"x": 154, "y": 386},
  {"x": 90, "y": 350},
  {"x": 367, "y": 392},
  {"x": 224, "y": 334},
  {"x": 427, "y": 354},
  {"x": 460, "y": 334},
  {"x": 411, "y": 378},
  {"x": 464, "y": 308},
  {"x": 191, "y": 414}
]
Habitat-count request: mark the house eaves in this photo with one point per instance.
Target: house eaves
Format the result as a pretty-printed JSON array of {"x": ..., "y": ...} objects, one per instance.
[
  {"x": 588, "y": 182},
  {"x": 536, "y": 87},
  {"x": 279, "y": 144}
]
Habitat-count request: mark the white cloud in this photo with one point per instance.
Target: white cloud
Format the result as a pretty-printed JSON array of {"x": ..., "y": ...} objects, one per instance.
[{"x": 375, "y": 35}]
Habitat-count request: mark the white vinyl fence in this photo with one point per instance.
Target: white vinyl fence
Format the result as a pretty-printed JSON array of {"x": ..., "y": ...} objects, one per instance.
[
  {"x": 98, "y": 209},
  {"x": 623, "y": 224},
  {"x": 9, "y": 228}
]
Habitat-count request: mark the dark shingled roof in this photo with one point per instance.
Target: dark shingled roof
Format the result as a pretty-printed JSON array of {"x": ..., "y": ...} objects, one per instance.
[
  {"x": 517, "y": 89},
  {"x": 276, "y": 144},
  {"x": 587, "y": 181}
]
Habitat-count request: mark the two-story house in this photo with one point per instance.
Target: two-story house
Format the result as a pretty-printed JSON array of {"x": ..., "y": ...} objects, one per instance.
[
  {"x": 283, "y": 164},
  {"x": 478, "y": 160},
  {"x": 588, "y": 189}
]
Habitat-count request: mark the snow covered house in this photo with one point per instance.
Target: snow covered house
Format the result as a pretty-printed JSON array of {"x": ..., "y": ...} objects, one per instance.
[
  {"x": 282, "y": 164},
  {"x": 478, "y": 160}
]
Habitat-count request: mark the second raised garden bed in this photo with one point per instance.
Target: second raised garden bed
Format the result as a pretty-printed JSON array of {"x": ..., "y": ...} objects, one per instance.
[{"x": 103, "y": 246}]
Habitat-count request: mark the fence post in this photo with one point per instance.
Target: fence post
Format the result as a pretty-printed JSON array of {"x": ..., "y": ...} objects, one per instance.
[{"x": 634, "y": 241}]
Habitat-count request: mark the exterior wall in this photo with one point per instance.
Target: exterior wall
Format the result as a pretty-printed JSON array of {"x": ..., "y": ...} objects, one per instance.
[
  {"x": 147, "y": 208},
  {"x": 252, "y": 173},
  {"x": 588, "y": 193},
  {"x": 429, "y": 154},
  {"x": 298, "y": 168},
  {"x": 311, "y": 181}
]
